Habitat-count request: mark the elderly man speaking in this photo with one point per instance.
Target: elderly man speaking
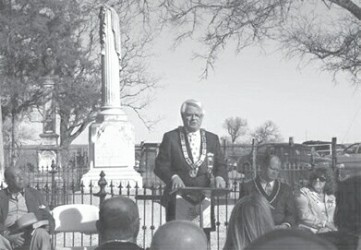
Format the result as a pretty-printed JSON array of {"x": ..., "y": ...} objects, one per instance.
[{"x": 189, "y": 157}]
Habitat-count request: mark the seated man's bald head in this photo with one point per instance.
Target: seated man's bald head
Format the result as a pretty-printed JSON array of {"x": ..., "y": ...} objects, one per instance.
[
  {"x": 179, "y": 235},
  {"x": 119, "y": 216}
]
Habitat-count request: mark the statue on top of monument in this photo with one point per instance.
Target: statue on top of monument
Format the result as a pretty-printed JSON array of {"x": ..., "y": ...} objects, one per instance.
[
  {"x": 110, "y": 55},
  {"x": 49, "y": 62},
  {"x": 107, "y": 12}
]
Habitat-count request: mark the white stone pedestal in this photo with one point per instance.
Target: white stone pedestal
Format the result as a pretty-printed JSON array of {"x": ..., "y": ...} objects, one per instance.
[
  {"x": 48, "y": 151},
  {"x": 111, "y": 149}
]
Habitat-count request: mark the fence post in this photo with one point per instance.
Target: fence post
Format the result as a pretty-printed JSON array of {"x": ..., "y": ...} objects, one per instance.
[
  {"x": 313, "y": 152},
  {"x": 292, "y": 161},
  {"x": 254, "y": 163},
  {"x": 102, "y": 184},
  {"x": 53, "y": 184},
  {"x": 334, "y": 157},
  {"x": 224, "y": 142}
]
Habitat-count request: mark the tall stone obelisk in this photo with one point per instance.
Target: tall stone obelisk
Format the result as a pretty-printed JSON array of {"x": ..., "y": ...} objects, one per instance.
[
  {"x": 111, "y": 137},
  {"x": 48, "y": 149}
]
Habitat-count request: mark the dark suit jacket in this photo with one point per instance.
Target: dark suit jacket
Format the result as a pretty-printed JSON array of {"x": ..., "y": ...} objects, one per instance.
[
  {"x": 281, "y": 200},
  {"x": 33, "y": 199},
  {"x": 170, "y": 161}
]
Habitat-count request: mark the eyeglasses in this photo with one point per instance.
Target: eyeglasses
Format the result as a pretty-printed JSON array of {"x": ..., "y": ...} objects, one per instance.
[{"x": 321, "y": 179}]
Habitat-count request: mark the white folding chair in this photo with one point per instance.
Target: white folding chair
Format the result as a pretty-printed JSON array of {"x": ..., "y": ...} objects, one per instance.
[{"x": 75, "y": 218}]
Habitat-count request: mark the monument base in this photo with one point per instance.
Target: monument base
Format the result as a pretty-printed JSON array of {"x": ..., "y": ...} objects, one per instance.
[
  {"x": 112, "y": 150},
  {"x": 48, "y": 151},
  {"x": 46, "y": 157},
  {"x": 126, "y": 177}
]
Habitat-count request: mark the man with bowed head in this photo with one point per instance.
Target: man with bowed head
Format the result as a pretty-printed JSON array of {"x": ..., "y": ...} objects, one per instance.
[
  {"x": 179, "y": 235},
  {"x": 118, "y": 224},
  {"x": 183, "y": 158},
  {"x": 278, "y": 194}
]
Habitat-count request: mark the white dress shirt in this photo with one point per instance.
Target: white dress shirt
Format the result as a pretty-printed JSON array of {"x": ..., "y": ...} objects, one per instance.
[{"x": 194, "y": 140}]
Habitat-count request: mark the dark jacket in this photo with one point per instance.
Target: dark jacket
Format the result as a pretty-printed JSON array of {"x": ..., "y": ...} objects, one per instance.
[
  {"x": 281, "y": 200},
  {"x": 33, "y": 199},
  {"x": 119, "y": 246},
  {"x": 170, "y": 160}
]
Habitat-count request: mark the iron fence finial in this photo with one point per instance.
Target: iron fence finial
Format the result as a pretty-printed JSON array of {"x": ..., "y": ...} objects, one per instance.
[{"x": 102, "y": 183}]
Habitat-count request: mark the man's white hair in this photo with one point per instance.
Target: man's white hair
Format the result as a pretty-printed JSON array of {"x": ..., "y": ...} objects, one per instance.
[{"x": 191, "y": 102}]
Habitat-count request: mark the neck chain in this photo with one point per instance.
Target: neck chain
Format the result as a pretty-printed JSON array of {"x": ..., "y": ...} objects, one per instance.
[{"x": 193, "y": 165}]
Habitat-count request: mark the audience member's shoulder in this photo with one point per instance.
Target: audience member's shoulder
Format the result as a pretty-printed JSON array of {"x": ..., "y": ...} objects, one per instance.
[
  {"x": 32, "y": 190},
  {"x": 341, "y": 239},
  {"x": 290, "y": 239},
  {"x": 285, "y": 187},
  {"x": 300, "y": 194}
]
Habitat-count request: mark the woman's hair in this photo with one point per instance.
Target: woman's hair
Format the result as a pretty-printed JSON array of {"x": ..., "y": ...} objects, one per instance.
[
  {"x": 330, "y": 186},
  {"x": 251, "y": 217},
  {"x": 348, "y": 205}
]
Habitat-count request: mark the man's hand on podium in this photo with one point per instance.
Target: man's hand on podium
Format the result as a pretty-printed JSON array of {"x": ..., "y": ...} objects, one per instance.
[
  {"x": 220, "y": 183},
  {"x": 177, "y": 182}
]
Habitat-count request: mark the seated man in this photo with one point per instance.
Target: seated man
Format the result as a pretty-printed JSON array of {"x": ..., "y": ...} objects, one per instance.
[
  {"x": 118, "y": 224},
  {"x": 279, "y": 195},
  {"x": 179, "y": 235},
  {"x": 15, "y": 201}
]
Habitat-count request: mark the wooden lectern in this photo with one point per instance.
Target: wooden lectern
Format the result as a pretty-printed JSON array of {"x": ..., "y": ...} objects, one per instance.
[{"x": 197, "y": 204}]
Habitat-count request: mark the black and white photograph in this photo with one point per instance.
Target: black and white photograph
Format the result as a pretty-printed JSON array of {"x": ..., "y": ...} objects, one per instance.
[{"x": 180, "y": 124}]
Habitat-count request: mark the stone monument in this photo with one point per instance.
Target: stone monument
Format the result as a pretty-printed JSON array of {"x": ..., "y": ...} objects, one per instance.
[
  {"x": 48, "y": 150},
  {"x": 111, "y": 137}
]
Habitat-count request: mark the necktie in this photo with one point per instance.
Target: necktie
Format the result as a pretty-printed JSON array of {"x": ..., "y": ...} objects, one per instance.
[{"x": 268, "y": 189}]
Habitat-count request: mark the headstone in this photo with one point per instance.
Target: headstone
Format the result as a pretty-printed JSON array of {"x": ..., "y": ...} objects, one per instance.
[{"x": 111, "y": 137}]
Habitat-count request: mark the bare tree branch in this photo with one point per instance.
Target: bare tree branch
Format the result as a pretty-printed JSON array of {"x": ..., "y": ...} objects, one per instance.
[
  {"x": 223, "y": 21},
  {"x": 349, "y": 6},
  {"x": 236, "y": 127}
]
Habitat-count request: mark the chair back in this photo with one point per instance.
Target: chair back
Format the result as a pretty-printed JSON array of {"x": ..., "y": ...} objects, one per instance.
[{"x": 76, "y": 218}]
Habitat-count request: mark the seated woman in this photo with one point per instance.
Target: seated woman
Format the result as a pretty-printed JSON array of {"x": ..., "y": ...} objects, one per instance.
[
  {"x": 316, "y": 203},
  {"x": 251, "y": 217}
]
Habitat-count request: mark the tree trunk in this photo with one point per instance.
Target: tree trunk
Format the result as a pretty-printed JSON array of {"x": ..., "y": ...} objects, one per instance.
[
  {"x": 12, "y": 145},
  {"x": 2, "y": 167},
  {"x": 64, "y": 155}
]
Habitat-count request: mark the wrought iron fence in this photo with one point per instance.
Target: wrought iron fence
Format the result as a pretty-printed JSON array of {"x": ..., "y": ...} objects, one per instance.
[{"x": 63, "y": 186}]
